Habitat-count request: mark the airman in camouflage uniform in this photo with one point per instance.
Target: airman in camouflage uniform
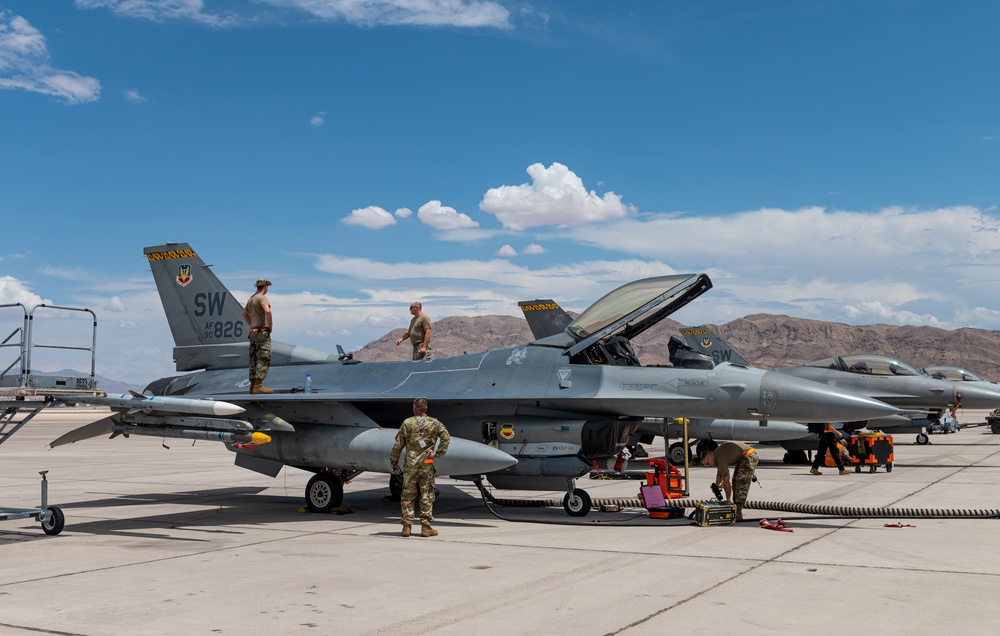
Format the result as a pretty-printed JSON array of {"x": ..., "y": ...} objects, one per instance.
[
  {"x": 419, "y": 435},
  {"x": 745, "y": 459},
  {"x": 257, "y": 314}
]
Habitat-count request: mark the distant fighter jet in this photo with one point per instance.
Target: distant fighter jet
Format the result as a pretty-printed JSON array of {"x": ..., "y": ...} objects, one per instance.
[
  {"x": 882, "y": 377},
  {"x": 530, "y": 417}
]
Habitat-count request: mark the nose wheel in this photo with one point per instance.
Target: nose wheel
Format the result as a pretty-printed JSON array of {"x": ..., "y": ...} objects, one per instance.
[{"x": 576, "y": 503}]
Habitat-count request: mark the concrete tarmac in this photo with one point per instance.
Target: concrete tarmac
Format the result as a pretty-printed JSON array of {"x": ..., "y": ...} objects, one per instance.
[{"x": 180, "y": 541}]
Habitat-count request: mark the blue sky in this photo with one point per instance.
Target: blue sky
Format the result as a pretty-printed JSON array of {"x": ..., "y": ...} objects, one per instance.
[{"x": 835, "y": 160}]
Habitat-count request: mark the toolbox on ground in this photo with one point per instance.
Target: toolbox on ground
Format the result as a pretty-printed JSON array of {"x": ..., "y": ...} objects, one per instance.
[
  {"x": 669, "y": 479},
  {"x": 714, "y": 513},
  {"x": 652, "y": 499},
  {"x": 871, "y": 449}
]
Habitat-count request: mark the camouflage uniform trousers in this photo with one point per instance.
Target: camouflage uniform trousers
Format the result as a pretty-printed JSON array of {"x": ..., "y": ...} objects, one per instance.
[
  {"x": 742, "y": 478},
  {"x": 421, "y": 356},
  {"x": 260, "y": 355},
  {"x": 419, "y": 479}
]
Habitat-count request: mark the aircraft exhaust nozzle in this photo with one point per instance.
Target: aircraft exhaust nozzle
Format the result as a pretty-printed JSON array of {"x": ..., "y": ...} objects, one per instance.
[
  {"x": 369, "y": 448},
  {"x": 786, "y": 397}
]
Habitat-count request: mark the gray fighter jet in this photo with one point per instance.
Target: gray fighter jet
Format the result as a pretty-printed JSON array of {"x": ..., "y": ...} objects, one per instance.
[
  {"x": 882, "y": 377},
  {"x": 530, "y": 417},
  {"x": 546, "y": 318}
]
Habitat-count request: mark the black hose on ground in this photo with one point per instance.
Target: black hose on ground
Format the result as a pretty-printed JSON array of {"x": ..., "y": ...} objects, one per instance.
[{"x": 772, "y": 506}]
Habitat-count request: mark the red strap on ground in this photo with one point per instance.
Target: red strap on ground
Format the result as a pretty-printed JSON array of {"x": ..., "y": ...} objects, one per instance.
[{"x": 778, "y": 525}]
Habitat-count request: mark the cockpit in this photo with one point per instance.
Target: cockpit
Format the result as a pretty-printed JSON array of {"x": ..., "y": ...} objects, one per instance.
[
  {"x": 956, "y": 374},
  {"x": 603, "y": 333},
  {"x": 866, "y": 363}
]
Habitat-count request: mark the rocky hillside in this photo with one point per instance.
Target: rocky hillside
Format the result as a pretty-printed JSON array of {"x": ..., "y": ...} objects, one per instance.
[{"x": 767, "y": 341}]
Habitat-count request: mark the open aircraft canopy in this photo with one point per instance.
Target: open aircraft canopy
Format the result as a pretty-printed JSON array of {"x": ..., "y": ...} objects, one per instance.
[{"x": 635, "y": 307}]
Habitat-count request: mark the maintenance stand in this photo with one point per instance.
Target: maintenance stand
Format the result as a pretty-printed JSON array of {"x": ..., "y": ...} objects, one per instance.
[{"x": 23, "y": 395}]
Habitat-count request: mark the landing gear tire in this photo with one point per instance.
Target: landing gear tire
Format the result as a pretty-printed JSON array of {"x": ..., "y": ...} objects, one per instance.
[
  {"x": 577, "y": 503},
  {"x": 324, "y": 492},
  {"x": 677, "y": 452},
  {"x": 995, "y": 427},
  {"x": 873, "y": 468},
  {"x": 55, "y": 522},
  {"x": 922, "y": 438},
  {"x": 888, "y": 467}
]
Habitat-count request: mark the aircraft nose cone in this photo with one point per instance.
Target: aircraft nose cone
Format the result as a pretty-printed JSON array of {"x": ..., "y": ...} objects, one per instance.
[
  {"x": 785, "y": 397},
  {"x": 465, "y": 457},
  {"x": 976, "y": 396}
]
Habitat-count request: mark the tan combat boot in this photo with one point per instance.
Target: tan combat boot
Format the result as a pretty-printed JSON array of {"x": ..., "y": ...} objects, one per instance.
[
  {"x": 739, "y": 512},
  {"x": 406, "y": 530},
  {"x": 814, "y": 471},
  {"x": 257, "y": 386},
  {"x": 427, "y": 531}
]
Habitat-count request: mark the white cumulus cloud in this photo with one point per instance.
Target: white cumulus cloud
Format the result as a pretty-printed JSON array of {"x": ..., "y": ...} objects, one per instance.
[
  {"x": 404, "y": 213},
  {"x": 13, "y": 291},
  {"x": 506, "y": 251},
  {"x": 442, "y": 217},
  {"x": 115, "y": 305},
  {"x": 372, "y": 217},
  {"x": 24, "y": 65},
  {"x": 556, "y": 196},
  {"x": 318, "y": 119},
  {"x": 534, "y": 248},
  {"x": 133, "y": 95}
]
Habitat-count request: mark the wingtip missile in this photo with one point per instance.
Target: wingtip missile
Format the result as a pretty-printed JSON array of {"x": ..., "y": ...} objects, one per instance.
[{"x": 162, "y": 404}]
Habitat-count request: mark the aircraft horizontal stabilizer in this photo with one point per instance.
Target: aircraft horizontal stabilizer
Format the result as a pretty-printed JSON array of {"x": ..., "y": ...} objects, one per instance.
[{"x": 94, "y": 429}]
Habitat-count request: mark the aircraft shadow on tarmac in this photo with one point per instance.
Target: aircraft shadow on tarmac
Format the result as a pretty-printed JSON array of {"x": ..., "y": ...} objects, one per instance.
[{"x": 223, "y": 510}]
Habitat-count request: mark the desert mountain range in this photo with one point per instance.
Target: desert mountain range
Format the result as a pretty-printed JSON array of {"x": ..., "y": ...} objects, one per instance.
[{"x": 767, "y": 341}]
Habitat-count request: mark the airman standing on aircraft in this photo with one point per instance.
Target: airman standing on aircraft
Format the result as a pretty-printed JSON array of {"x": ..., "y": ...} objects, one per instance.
[
  {"x": 419, "y": 435},
  {"x": 828, "y": 440},
  {"x": 419, "y": 333},
  {"x": 257, "y": 314},
  {"x": 744, "y": 459}
]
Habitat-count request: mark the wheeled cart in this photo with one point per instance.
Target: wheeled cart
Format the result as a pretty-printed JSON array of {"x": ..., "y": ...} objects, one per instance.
[
  {"x": 50, "y": 517},
  {"x": 871, "y": 451}
]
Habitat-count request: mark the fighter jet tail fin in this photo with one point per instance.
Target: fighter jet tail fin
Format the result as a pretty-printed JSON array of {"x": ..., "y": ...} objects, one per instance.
[
  {"x": 205, "y": 318},
  {"x": 703, "y": 340},
  {"x": 545, "y": 317}
]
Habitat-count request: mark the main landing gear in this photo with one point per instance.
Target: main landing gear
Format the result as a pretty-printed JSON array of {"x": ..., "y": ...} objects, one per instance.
[{"x": 324, "y": 492}]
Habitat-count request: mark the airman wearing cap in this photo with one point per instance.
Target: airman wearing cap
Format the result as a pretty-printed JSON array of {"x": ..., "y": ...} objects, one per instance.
[{"x": 257, "y": 314}]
